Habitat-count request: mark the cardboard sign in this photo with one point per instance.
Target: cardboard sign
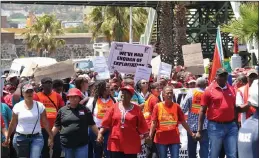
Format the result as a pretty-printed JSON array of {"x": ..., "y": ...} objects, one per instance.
[
  {"x": 125, "y": 57},
  {"x": 59, "y": 70},
  {"x": 28, "y": 70},
  {"x": 164, "y": 70},
  {"x": 100, "y": 66},
  {"x": 193, "y": 59},
  {"x": 142, "y": 73}
]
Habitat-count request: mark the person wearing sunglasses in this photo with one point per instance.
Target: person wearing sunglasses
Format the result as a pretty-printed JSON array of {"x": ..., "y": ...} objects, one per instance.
[{"x": 142, "y": 88}]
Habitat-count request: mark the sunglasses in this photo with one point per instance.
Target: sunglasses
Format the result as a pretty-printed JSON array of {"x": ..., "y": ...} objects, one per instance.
[{"x": 144, "y": 83}]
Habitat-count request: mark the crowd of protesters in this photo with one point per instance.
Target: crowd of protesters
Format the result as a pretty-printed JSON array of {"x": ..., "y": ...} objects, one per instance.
[{"x": 83, "y": 117}]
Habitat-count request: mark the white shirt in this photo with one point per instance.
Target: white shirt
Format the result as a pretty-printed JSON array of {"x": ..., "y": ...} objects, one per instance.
[
  {"x": 27, "y": 118},
  {"x": 239, "y": 102}
]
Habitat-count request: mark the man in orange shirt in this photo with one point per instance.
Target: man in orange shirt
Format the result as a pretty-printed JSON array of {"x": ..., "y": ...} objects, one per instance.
[
  {"x": 52, "y": 102},
  {"x": 165, "y": 119}
]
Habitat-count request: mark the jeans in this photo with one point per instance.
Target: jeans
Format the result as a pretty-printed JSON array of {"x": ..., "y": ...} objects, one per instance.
[
  {"x": 222, "y": 134},
  {"x": 173, "y": 148},
  {"x": 56, "y": 146},
  {"x": 204, "y": 146},
  {"x": 115, "y": 154},
  {"x": 79, "y": 152},
  {"x": 99, "y": 149},
  {"x": 37, "y": 143}
]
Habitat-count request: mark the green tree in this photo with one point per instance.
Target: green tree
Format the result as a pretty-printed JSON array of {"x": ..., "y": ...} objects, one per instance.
[
  {"x": 41, "y": 35},
  {"x": 113, "y": 22},
  {"x": 245, "y": 27}
]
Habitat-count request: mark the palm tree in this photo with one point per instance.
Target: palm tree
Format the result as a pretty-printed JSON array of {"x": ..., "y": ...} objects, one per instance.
[
  {"x": 41, "y": 35},
  {"x": 180, "y": 27},
  {"x": 113, "y": 22},
  {"x": 245, "y": 27},
  {"x": 166, "y": 32}
]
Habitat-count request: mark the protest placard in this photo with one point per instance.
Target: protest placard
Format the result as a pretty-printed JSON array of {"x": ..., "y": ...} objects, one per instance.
[
  {"x": 193, "y": 59},
  {"x": 125, "y": 57},
  {"x": 29, "y": 69},
  {"x": 142, "y": 73},
  {"x": 60, "y": 70},
  {"x": 100, "y": 66},
  {"x": 164, "y": 70},
  {"x": 15, "y": 69},
  {"x": 154, "y": 63}
]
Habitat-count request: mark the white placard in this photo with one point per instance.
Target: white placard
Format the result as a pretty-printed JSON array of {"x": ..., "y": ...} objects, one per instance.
[
  {"x": 125, "y": 57},
  {"x": 142, "y": 73},
  {"x": 101, "y": 68},
  {"x": 164, "y": 70},
  {"x": 15, "y": 69}
]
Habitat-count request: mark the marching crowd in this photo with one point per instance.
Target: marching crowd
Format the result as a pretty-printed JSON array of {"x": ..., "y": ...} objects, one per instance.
[{"x": 83, "y": 117}]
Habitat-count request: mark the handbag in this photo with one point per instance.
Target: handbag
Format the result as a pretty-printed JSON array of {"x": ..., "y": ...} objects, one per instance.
[{"x": 24, "y": 145}]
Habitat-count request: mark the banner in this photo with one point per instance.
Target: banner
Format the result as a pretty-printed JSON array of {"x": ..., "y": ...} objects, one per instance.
[
  {"x": 60, "y": 70},
  {"x": 100, "y": 66},
  {"x": 193, "y": 59},
  {"x": 142, "y": 73},
  {"x": 125, "y": 57}
]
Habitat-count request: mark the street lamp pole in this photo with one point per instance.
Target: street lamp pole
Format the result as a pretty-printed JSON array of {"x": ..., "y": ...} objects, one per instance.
[{"x": 130, "y": 31}]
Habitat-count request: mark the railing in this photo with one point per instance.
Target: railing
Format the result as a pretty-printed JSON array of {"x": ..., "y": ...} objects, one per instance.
[{"x": 146, "y": 37}]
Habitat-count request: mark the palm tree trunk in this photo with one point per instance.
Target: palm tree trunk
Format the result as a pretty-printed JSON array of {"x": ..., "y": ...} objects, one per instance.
[
  {"x": 166, "y": 32},
  {"x": 180, "y": 27}
]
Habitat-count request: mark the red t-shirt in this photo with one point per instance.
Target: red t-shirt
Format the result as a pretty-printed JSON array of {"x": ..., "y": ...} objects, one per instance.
[
  {"x": 51, "y": 110},
  {"x": 220, "y": 102},
  {"x": 125, "y": 138},
  {"x": 172, "y": 136}
]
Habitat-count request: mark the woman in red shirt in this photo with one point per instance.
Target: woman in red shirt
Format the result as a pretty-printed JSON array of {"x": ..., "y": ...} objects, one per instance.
[{"x": 126, "y": 123}]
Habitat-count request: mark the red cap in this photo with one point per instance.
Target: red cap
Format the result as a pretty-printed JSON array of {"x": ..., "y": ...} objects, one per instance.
[
  {"x": 74, "y": 92},
  {"x": 129, "y": 88}
]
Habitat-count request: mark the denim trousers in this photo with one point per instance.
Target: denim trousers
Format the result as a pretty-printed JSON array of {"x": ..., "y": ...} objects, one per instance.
[
  {"x": 222, "y": 134},
  {"x": 37, "y": 143},
  {"x": 98, "y": 148},
  {"x": 173, "y": 148},
  {"x": 56, "y": 146},
  {"x": 79, "y": 152},
  {"x": 204, "y": 146}
]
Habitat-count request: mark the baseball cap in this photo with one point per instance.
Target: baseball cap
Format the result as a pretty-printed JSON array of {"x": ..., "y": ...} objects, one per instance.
[
  {"x": 191, "y": 81},
  {"x": 45, "y": 80},
  {"x": 253, "y": 94},
  {"x": 252, "y": 71},
  {"x": 27, "y": 87},
  {"x": 221, "y": 71},
  {"x": 129, "y": 89}
]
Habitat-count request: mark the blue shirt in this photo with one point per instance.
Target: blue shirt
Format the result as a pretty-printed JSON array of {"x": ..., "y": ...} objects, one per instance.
[
  {"x": 7, "y": 116},
  {"x": 192, "y": 120},
  {"x": 248, "y": 139},
  {"x": 136, "y": 98}
]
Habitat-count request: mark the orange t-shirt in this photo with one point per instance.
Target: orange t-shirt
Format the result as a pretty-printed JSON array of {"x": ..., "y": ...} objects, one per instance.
[
  {"x": 171, "y": 136},
  {"x": 51, "y": 109},
  {"x": 148, "y": 108}
]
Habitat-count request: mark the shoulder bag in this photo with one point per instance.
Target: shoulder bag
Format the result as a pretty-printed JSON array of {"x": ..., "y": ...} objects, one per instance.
[{"x": 24, "y": 144}]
